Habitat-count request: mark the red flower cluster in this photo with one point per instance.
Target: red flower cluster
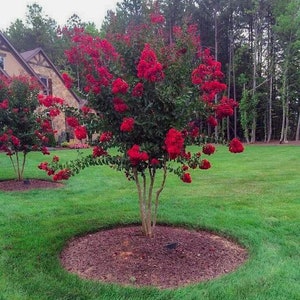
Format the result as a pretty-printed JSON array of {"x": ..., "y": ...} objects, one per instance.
[
  {"x": 7, "y": 139},
  {"x": 235, "y": 146},
  {"x": 212, "y": 121},
  {"x": 186, "y": 177},
  {"x": 54, "y": 112},
  {"x": 148, "y": 67},
  {"x": 225, "y": 107},
  {"x": 67, "y": 80},
  {"x": 136, "y": 156},
  {"x": 94, "y": 83},
  {"x": 4, "y": 104},
  {"x": 119, "y": 105},
  {"x": 138, "y": 90},
  {"x": 62, "y": 175},
  {"x": 46, "y": 126},
  {"x": 45, "y": 166},
  {"x": 119, "y": 86},
  {"x": 174, "y": 143},
  {"x": 205, "y": 164},
  {"x": 45, "y": 150},
  {"x": 208, "y": 149},
  {"x": 127, "y": 125},
  {"x": 105, "y": 137},
  {"x": 86, "y": 110},
  {"x": 157, "y": 18},
  {"x": 80, "y": 132},
  {"x": 92, "y": 53},
  {"x": 98, "y": 151},
  {"x": 72, "y": 122},
  {"x": 207, "y": 75},
  {"x": 49, "y": 100},
  {"x": 154, "y": 162}
]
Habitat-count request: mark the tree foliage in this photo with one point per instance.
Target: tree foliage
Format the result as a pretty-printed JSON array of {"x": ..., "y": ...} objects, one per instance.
[{"x": 22, "y": 127}]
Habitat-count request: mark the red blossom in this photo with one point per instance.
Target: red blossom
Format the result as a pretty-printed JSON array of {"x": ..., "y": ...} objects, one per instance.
[
  {"x": 55, "y": 159},
  {"x": 208, "y": 149},
  {"x": 225, "y": 107},
  {"x": 138, "y": 90},
  {"x": 16, "y": 142},
  {"x": 119, "y": 86},
  {"x": 105, "y": 137},
  {"x": 136, "y": 156},
  {"x": 62, "y": 175},
  {"x": 54, "y": 112},
  {"x": 45, "y": 100},
  {"x": 186, "y": 177},
  {"x": 205, "y": 164},
  {"x": 148, "y": 67},
  {"x": 67, "y": 80},
  {"x": 119, "y": 105},
  {"x": 212, "y": 121},
  {"x": 3, "y": 138},
  {"x": 157, "y": 18},
  {"x": 45, "y": 150},
  {"x": 46, "y": 126},
  {"x": 86, "y": 110},
  {"x": 186, "y": 155},
  {"x": 72, "y": 122},
  {"x": 127, "y": 125},
  {"x": 98, "y": 151},
  {"x": 43, "y": 166},
  {"x": 80, "y": 132},
  {"x": 235, "y": 146},
  {"x": 4, "y": 104},
  {"x": 49, "y": 100},
  {"x": 154, "y": 162},
  {"x": 185, "y": 168},
  {"x": 174, "y": 143}
]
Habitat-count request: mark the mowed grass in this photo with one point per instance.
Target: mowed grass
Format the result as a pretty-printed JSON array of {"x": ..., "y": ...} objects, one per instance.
[{"x": 253, "y": 197}]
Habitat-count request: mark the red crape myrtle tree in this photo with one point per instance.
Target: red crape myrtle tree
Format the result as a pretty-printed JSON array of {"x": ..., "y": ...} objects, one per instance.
[
  {"x": 153, "y": 97},
  {"x": 22, "y": 127}
]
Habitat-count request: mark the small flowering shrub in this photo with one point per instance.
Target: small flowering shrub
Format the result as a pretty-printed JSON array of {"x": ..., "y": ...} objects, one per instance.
[
  {"x": 22, "y": 128},
  {"x": 152, "y": 97}
]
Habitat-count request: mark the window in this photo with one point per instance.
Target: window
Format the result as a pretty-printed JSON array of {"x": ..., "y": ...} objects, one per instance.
[{"x": 48, "y": 84}]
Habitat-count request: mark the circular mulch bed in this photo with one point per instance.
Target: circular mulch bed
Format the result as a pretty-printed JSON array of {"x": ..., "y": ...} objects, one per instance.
[
  {"x": 173, "y": 257},
  {"x": 28, "y": 184}
]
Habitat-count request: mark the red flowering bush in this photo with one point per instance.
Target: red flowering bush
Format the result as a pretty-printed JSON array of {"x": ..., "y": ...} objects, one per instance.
[
  {"x": 152, "y": 99},
  {"x": 22, "y": 127}
]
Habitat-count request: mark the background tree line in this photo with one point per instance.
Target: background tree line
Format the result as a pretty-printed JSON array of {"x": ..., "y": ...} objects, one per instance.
[{"x": 257, "y": 42}]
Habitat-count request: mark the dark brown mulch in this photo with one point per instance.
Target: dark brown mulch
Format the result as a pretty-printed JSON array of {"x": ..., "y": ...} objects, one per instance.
[
  {"x": 28, "y": 184},
  {"x": 174, "y": 257}
]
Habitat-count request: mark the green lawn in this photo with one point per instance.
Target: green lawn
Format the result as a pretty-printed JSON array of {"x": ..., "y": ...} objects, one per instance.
[{"x": 253, "y": 197}]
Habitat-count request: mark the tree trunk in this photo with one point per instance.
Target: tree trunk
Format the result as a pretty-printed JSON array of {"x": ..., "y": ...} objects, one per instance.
[
  {"x": 148, "y": 203},
  {"x": 298, "y": 128},
  {"x": 285, "y": 106},
  {"x": 270, "y": 104}
]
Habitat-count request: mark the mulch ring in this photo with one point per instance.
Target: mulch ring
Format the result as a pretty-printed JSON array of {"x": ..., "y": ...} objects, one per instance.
[
  {"x": 28, "y": 184},
  {"x": 174, "y": 257}
]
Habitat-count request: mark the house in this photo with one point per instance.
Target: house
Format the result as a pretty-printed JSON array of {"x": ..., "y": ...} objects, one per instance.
[{"x": 37, "y": 64}]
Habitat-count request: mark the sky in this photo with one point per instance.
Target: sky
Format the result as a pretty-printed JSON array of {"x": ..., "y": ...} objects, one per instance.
[{"x": 59, "y": 10}]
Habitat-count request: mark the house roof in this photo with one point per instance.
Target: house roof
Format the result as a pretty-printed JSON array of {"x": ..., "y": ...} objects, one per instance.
[
  {"x": 25, "y": 57},
  {"x": 19, "y": 58},
  {"x": 28, "y": 55}
]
